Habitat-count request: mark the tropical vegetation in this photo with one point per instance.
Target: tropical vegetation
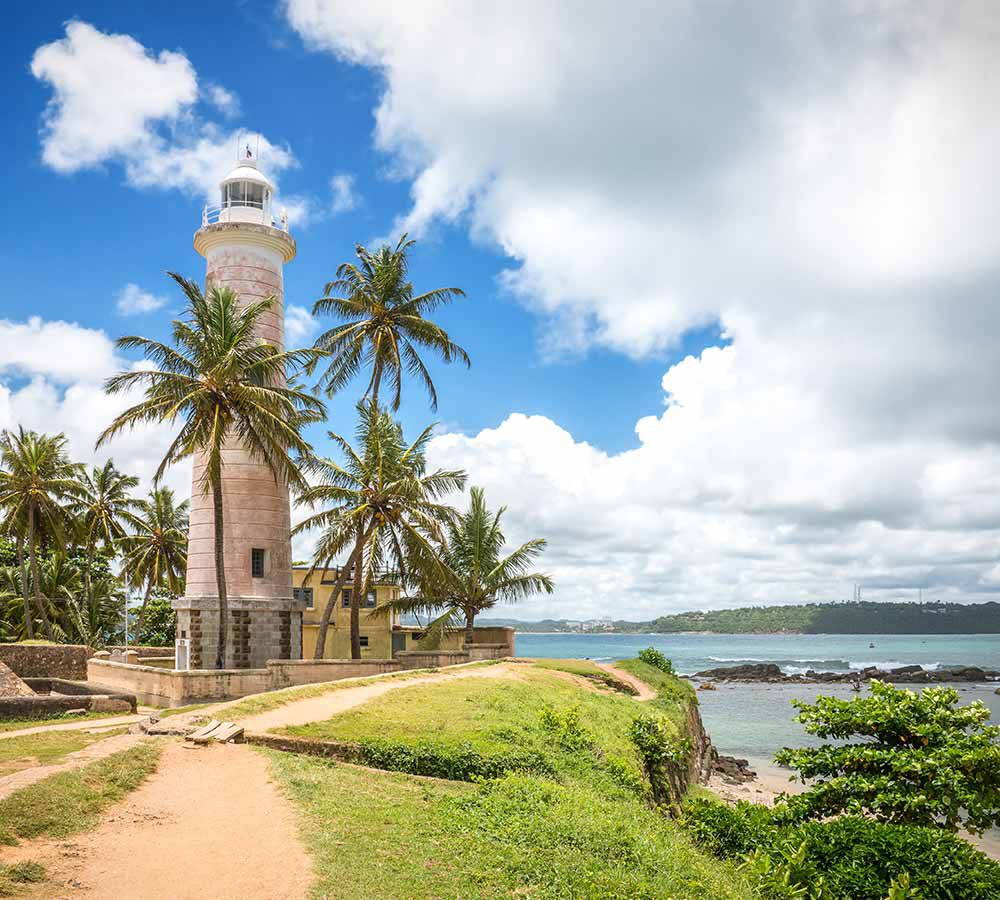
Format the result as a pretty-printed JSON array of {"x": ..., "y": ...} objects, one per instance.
[
  {"x": 465, "y": 572},
  {"x": 217, "y": 384}
]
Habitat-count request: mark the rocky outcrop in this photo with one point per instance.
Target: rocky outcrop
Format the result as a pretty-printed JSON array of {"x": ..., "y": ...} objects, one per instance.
[
  {"x": 11, "y": 685},
  {"x": 771, "y": 673}
]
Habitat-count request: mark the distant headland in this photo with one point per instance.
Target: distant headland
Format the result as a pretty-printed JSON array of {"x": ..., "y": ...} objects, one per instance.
[{"x": 861, "y": 617}]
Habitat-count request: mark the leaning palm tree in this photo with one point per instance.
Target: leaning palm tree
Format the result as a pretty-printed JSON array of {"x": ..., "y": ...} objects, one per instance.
[
  {"x": 222, "y": 386},
  {"x": 156, "y": 555},
  {"x": 38, "y": 484},
  {"x": 381, "y": 324},
  {"x": 468, "y": 573},
  {"x": 103, "y": 510},
  {"x": 380, "y": 502}
]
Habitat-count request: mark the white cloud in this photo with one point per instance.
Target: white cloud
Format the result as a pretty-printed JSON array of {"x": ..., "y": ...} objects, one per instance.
[
  {"x": 344, "y": 196},
  {"x": 60, "y": 351},
  {"x": 108, "y": 89},
  {"x": 820, "y": 184},
  {"x": 66, "y": 365},
  {"x": 133, "y": 301},
  {"x": 300, "y": 326},
  {"x": 115, "y": 100},
  {"x": 226, "y": 102}
]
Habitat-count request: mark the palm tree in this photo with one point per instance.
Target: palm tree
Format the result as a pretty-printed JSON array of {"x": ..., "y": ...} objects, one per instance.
[
  {"x": 104, "y": 508},
  {"x": 382, "y": 324},
  {"x": 467, "y": 573},
  {"x": 156, "y": 556},
  {"x": 37, "y": 482},
  {"x": 380, "y": 502},
  {"x": 226, "y": 386}
]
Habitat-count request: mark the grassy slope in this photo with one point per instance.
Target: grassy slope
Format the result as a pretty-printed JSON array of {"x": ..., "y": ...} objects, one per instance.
[
  {"x": 18, "y": 753},
  {"x": 580, "y": 833},
  {"x": 73, "y": 801}
]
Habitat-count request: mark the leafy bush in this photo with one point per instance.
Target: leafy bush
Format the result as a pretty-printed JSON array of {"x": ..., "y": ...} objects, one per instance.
[
  {"x": 855, "y": 857},
  {"x": 924, "y": 760},
  {"x": 653, "y": 657},
  {"x": 458, "y": 763},
  {"x": 565, "y": 727}
]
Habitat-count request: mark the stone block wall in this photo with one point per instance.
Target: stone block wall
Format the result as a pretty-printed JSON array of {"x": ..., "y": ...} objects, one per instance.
[
  {"x": 257, "y": 633},
  {"x": 46, "y": 660}
]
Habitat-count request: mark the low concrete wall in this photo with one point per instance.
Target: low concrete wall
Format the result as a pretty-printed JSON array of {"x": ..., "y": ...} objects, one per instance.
[
  {"x": 65, "y": 695},
  {"x": 431, "y": 659},
  {"x": 46, "y": 660},
  {"x": 167, "y": 687}
]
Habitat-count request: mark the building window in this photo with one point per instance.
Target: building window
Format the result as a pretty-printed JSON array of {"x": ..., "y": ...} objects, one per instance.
[
  {"x": 257, "y": 562},
  {"x": 304, "y": 594},
  {"x": 370, "y": 599},
  {"x": 364, "y": 640},
  {"x": 346, "y": 598}
]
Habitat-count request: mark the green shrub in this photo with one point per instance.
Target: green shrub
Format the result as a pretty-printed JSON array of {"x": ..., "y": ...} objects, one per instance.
[
  {"x": 856, "y": 857},
  {"x": 653, "y": 657},
  {"x": 457, "y": 763},
  {"x": 922, "y": 760},
  {"x": 565, "y": 726}
]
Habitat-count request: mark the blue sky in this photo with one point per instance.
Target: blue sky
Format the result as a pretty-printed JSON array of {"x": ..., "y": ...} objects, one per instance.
[
  {"x": 107, "y": 233},
  {"x": 616, "y": 187}
]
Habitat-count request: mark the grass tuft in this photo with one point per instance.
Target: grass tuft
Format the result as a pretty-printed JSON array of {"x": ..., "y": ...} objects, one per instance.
[
  {"x": 73, "y": 801},
  {"x": 45, "y": 748}
]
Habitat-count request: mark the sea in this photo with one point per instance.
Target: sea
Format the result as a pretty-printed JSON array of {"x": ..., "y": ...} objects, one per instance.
[{"x": 756, "y": 720}]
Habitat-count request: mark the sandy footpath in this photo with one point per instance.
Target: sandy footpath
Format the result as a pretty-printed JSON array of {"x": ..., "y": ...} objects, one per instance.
[
  {"x": 208, "y": 823},
  {"x": 643, "y": 691}
]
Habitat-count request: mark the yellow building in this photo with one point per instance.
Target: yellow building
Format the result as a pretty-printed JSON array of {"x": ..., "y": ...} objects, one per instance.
[{"x": 381, "y": 638}]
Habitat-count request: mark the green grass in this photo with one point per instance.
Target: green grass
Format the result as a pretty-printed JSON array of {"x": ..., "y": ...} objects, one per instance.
[
  {"x": 73, "y": 801},
  {"x": 673, "y": 694},
  {"x": 18, "y": 724},
  {"x": 14, "y": 877},
  {"x": 260, "y": 703},
  {"x": 497, "y": 719},
  {"x": 177, "y": 710},
  {"x": 42, "y": 749},
  {"x": 387, "y": 835}
]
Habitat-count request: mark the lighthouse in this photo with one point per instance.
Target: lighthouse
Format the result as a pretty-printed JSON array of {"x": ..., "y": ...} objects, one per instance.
[{"x": 245, "y": 249}]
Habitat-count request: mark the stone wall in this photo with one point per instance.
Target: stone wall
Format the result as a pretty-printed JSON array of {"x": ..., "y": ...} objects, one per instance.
[
  {"x": 258, "y": 631},
  {"x": 46, "y": 660}
]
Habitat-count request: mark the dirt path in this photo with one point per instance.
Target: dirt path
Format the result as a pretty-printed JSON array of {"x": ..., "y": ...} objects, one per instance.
[
  {"x": 645, "y": 692},
  {"x": 317, "y": 709},
  {"x": 208, "y": 823},
  {"x": 110, "y": 722},
  {"x": 98, "y": 750}
]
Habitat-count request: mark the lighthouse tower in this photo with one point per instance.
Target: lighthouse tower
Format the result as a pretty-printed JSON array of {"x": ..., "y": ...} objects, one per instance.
[{"x": 245, "y": 250}]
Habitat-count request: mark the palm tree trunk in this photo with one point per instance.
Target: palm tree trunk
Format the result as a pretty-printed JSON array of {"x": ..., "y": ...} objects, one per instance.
[
  {"x": 324, "y": 622},
  {"x": 220, "y": 575},
  {"x": 356, "y": 600},
  {"x": 29, "y": 619},
  {"x": 142, "y": 611},
  {"x": 35, "y": 579},
  {"x": 470, "y": 634}
]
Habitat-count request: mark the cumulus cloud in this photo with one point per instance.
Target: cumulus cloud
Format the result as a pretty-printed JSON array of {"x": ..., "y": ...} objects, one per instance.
[
  {"x": 300, "y": 326},
  {"x": 116, "y": 101},
  {"x": 51, "y": 380},
  {"x": 818, "y": 183},
  {"x": 134, "y": 301}
]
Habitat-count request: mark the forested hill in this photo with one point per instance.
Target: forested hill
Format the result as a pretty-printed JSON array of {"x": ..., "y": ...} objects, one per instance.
[{"x": 841, "y": 618}]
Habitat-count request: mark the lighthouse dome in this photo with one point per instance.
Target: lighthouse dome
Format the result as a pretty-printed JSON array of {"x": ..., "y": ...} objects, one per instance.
[{"x": 245, "y": 195}]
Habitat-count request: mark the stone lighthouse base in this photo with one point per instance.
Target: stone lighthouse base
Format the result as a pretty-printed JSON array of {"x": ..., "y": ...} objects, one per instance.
[{"x": 258, "y": 630}]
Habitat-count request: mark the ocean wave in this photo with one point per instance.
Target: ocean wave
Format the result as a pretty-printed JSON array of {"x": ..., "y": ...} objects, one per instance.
[
  {"x": 892, "y": 664},
  {"x": 790, "y": 661},
  {"x": 800, "y": 665}
]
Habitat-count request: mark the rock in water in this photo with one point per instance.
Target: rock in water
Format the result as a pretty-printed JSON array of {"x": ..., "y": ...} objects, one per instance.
[{"x": 11, "y": 685}]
